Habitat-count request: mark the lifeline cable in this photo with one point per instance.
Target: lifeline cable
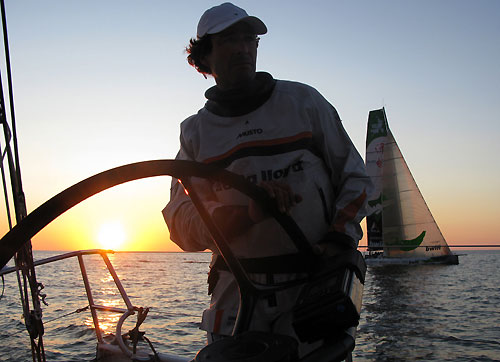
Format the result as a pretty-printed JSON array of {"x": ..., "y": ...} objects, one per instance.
[{"x": 79, "y": 310}]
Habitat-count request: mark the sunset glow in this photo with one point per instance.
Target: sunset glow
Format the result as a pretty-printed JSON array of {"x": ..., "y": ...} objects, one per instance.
[
  {"x": 111, "y": 235},
  {"x": 438, "y": 84}
]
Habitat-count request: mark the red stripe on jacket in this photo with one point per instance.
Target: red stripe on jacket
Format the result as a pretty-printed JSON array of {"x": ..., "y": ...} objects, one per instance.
[{"x": 261, "y": 143}]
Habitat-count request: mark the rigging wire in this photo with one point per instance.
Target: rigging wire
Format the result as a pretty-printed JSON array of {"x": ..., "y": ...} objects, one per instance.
[
  {"x": 24, "y": 257},
  {"x": 3, "y": 287},
  {"x": 11, "y": 92},
  {"x": 4, "y": 182}
]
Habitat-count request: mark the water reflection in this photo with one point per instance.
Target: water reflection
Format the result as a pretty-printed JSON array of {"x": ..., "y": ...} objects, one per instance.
[
  {"x": 401, "y": 312},
  {"x": 431, "y": 313},
  {"x": 107, "y": 320},
  {"x": 104, "y": 293}
]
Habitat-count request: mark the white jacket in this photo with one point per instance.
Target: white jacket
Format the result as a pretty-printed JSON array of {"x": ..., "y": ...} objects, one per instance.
[{"x": 295, "y": 137}]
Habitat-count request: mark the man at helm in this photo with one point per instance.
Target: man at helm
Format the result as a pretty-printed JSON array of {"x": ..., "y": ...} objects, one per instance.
[{"x": 283, "y": 136}]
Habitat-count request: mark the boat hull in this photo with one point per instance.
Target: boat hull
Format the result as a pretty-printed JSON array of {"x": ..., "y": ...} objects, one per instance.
[{"x": 374, "y": 260}]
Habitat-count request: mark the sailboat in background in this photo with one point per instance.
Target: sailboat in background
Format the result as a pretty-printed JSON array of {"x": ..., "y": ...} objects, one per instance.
[{"x": 400, "y": 226}]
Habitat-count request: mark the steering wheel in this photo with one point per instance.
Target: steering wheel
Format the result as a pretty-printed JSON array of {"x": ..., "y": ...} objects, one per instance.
[
  {"x": 184, "y": 170},
  {"x": 54, "y": 207},
  {"x": 11, "y": 242}
]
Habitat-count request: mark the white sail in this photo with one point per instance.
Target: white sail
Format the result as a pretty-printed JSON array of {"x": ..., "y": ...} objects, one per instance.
[{"x": 399, "y": 221}]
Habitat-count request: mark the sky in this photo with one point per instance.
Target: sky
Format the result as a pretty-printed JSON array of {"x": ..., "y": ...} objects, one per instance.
[{"x": 100, "y": 84}]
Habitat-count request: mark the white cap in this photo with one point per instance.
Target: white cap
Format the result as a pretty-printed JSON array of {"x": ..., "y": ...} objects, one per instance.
[{"x": 221, "y": 17}]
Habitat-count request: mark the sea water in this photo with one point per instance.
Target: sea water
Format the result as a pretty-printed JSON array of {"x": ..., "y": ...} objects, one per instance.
[{"x": 427, "y": 312}]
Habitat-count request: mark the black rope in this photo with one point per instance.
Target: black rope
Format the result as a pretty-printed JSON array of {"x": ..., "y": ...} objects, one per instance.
[
  {"x": 156, "y": 357},
  {"x": 135, "y": 335}
]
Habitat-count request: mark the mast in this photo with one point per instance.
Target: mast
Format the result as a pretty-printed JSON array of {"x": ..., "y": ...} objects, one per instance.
[
  {"x": 26, "y": 275},
  {"x": 376, "y": 137}
]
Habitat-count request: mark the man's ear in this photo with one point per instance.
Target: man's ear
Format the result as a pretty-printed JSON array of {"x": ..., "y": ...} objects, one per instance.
[{"x": 204, "y": 61}]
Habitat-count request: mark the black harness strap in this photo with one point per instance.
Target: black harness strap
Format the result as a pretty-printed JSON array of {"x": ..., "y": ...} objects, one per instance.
[
  {"x": 297, "y": 263},
  {"x": 280, "y": 264}
]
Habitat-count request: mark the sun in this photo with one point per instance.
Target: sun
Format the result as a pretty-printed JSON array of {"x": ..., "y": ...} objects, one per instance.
[{"x": 111, "y": 235}]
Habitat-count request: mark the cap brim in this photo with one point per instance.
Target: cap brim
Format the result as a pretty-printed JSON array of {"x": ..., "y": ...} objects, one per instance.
[{"x": 257, "y": 25}]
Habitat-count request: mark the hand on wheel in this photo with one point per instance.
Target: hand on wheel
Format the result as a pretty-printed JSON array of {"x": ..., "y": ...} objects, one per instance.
[{"x": 281, "y": 192}]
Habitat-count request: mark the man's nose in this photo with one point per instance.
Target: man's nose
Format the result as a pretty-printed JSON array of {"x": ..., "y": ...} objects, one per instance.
[{"x": 242, "y": 46}]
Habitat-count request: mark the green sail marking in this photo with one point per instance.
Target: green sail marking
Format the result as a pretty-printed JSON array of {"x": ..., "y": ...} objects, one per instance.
[
  {"x": 413, "y": 243},
  {"x": 377, "y": 126}
]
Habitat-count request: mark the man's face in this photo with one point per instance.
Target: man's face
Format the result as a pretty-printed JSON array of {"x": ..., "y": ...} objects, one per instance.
[{"x": 233, "y": 56}]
